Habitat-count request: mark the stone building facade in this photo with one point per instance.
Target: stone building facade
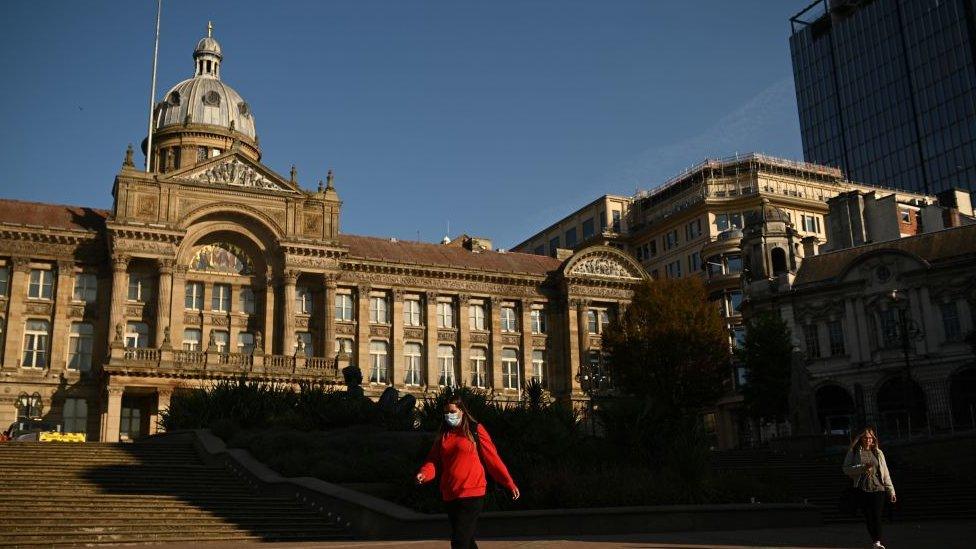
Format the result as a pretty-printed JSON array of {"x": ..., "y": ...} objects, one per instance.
[{"x": 211, "y": 265}]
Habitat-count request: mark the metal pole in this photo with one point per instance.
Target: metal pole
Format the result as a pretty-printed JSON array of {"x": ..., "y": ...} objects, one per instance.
[{"x": 152, "y": 92}]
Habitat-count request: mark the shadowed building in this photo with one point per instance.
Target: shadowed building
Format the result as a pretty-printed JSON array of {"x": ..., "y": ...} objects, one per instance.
[{"x": 211, "y": 265}]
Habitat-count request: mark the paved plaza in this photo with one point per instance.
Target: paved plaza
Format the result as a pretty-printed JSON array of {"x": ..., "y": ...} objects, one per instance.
[{"x": 922, "y": 535}]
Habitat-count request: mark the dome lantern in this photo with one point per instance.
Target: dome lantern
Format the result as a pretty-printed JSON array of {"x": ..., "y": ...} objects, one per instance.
[{"x": 207, "y": 55}]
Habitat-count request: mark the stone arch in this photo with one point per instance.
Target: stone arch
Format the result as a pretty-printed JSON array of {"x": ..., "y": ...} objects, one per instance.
[
  {"x": 603, "y": 261},
  {"x": 861, "y": 259},
  {"x": 835, "y": 408},
  {"x": 227, "y": 210},
  {"x": 897, "y": 416},
  {"x": 777, "y": 257},
  {"x": 962, "y": 397},
  {"x": 258, "y": 244}
]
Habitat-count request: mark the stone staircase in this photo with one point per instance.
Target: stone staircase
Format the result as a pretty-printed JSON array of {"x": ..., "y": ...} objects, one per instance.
[
  {"x": 94, "y": 493},
  {"x": 922, "y": 494}
]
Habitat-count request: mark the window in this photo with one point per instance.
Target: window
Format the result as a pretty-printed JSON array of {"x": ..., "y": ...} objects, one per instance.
[
  {"x": 739, "y": 336},
  {"x": 479, "y": 367},
  {"x": 538, "y": 366},
  {"x": 810, "y": 223},
  {"x": 378, "y": 311},
  {"x": 734, "y": 264},
  {"x": 694, "y": 262},
  {"x": 721, "y": 222},
  {"x": 588, "y": 228},
  {"x": 245, "y": 343},
  {"x": 4, "y": 280},
  {"x": 476, "y": 315},
  {"x": 36, "y": 333},
  {"x": 950, "y": 321},
  {"x": 734, "y": 302},
  {"x": 41, "y": 284},
  {"x": 137, "y": 335},
  {"x": 80, "y": 342},
  {"x": 671, "y": 239},
  {"x": 343, "y": 307},
  {"x": 674, "y": 269},
  {"x": 303, "y": 300},
  {"x": 835, "y": 330},
  {"x": 509, "y": 319},
  {"x": 571, "y": 238},
  {"x": 411, "y": 312},
  {"x": 247, "y": 300},
  {"x": 220, "y": 301},
  {"x": 303, "y": 344},
  {"x": 510, "y": 373},
  {"x": 412, "y": 354},
  {"x": 379, "y": 368},
  {"x": 616, "y": 220},
  {"x": 86, "y": 288},
  {"x": 220, "y": 340},
  {"x": 75, "y": 415},
  {"x": 597, "y": 320},
  {"x": 553, "y": 245},
  {"x": 194, "y": 296},
  {"x": 693, "y": 230},
  {"x": 445, "y": 314},
  {"x": 540, "y": 250},
  {"x": 191, "y": 339},
  {"x": 344, "y": 347},
  {"x": 889, "y": 328},
  {"x": 140, "y": 288},
  {"x": 905, "y": 214},
  {"x": 735, "y": 219},
  {"x": 538, "y": 317},
  {"x": 445, "y": 363},
  {"x": 811, "y": 336}
]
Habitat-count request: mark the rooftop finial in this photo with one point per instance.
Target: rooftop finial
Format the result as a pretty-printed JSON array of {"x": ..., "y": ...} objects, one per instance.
[
  {"x": 294, "y": 174},
  {"x": 209, "y": 29},
  {"x": 320, "y": 186},
  {"x": 329, "y": 179},
  {"x": 128, "y": 157}
]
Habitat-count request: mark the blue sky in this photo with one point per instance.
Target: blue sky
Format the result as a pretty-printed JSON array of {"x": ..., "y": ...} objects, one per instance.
[{"x": 498, "y": 117}]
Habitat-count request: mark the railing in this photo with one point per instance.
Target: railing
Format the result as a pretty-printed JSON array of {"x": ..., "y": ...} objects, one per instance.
[
  {"x": 279, "y": 363},
  {"x": 142, "y": 354},
  {"x": 242, "y": 360},
  {"x": 190, "y": 357},
  {"x": 322, "y": 364}
]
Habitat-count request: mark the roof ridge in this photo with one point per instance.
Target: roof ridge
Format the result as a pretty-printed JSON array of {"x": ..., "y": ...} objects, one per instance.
[{"x": 19, "y": 201}]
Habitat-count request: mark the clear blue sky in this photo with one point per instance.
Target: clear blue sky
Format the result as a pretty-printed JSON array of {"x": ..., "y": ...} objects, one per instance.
[{"x": 499, "y": 116}]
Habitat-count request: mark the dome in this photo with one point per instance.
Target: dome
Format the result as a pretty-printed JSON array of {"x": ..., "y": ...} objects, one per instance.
[
  {"x": 206, "y": 100},
  {"x": 767, "y": 214}
]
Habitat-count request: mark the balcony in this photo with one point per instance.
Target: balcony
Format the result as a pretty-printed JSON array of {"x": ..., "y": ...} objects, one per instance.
[{"x": 170, "y": 363}]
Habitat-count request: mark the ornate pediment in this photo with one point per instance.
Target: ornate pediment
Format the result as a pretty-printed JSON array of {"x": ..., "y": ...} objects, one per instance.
[
  {"x": 234, "y": 171},
  {"x": 602, "y": 266}
]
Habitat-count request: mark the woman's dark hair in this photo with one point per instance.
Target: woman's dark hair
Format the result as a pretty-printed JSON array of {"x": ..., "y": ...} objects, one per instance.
[{"x": 466, "y": 419}]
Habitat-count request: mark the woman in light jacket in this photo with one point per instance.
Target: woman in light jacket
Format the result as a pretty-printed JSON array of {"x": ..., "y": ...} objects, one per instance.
[{"x": 865, "y": 464}]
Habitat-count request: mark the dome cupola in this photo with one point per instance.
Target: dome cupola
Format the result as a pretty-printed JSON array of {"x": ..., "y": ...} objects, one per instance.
[{"x": 202, "y": 116}]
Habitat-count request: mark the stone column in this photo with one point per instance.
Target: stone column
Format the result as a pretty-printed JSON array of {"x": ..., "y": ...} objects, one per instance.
[
  {"x": 163, "y": 396},
  {"x": 165, "y": 300},
  {"x": 59, "y": 328},
  {"x": 329, "y": 317},
  {"x": 362, "y": 330},
  {"x": 112, "y": 416},
  {"x": 864, "y": 333},
  {"x": 235, "y": 318},
  {"x": 19, "y": 277},
  {"x": 288, "y": 313},
  {"x": 120, "y": 289},
  {"x": 464, "y": 340},
  {"x": 577, "y": 332},
  {"x": 268, "y": 337},
  {"x": 852, "y": 335},
  {"x": 177, "y": 305},
  {"x": 495, "y": 351},
  {"x": 396, "y": 339},
  {"x": 928, "y": 318},
  {"x": 430, "y": 345},
  {"x": 526, "y": 326}
]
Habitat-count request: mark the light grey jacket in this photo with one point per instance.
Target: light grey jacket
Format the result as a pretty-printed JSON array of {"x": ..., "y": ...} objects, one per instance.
[{"x": 855, "y": 469}]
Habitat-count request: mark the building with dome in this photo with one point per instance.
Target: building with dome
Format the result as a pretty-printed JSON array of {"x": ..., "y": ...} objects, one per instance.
[{"x": 211, "y": 265}]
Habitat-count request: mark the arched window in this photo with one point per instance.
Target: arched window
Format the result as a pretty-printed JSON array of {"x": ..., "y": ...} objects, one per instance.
[
  {"x": 445, "y": 360},
  {"x": 778, "y": 256}
]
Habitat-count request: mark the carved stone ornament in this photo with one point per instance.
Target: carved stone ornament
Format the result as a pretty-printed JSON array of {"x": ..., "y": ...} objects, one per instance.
[
  {"x": 539, "y": 341},
  {"x": 379, "y": 331},
  {"x": 77, "y": 311},
  {"x": 510, "y": 340},
  {"x": 601, "y": 266},
  {"x": 234, "y": 172},
  {"x": 191, "y": 319},
  {"x": 413, "y": 333},
  {"x": 446, "y": 335},
  {"x": 345, "y": 329},
  {"x": 134, "y": 311},
  {"x": 479, "y": 337},
  {"x": 38, "y": 309},
  {"x": 218, "y": 320},
  {"x": 301, "y": 322}
]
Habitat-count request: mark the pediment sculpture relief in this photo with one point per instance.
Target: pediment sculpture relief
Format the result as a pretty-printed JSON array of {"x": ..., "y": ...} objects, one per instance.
[
  {"x": 235, "y": 172},
  {"x": 601, "y": 266}
]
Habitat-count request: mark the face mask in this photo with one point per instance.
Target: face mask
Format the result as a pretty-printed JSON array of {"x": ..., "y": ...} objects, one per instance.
[{"x": 453, "y": 419}]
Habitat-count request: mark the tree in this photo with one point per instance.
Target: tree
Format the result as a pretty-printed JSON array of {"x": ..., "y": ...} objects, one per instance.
[
  {"x": 767, "y": 357},
  {"x": 670, "y": 346}
]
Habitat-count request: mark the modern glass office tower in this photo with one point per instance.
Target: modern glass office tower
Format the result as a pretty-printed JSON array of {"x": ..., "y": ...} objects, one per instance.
[{"x": 886, "y": 90}]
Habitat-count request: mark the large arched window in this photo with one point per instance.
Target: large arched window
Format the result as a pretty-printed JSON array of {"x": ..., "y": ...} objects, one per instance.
[{"x": 222, "y": 257}]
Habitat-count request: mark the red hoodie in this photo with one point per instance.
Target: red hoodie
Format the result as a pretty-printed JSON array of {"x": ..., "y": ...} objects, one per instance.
[{"x": 462, "y": 474}]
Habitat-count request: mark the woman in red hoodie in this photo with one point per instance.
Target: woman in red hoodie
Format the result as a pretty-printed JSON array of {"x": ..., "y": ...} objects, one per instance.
[{"x": 461, "y": 460}]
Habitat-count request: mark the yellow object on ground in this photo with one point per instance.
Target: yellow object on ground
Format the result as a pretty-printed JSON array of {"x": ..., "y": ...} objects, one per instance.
[{"x": 54, "y": 436}]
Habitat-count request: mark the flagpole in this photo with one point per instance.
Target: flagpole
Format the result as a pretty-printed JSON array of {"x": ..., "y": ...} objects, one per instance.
[{"x": 152, "y": 92}]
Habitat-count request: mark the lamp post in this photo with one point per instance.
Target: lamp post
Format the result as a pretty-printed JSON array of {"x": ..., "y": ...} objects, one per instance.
[
  {"x": 907, "y": 331},
  {"x": 593, "y": 380}
]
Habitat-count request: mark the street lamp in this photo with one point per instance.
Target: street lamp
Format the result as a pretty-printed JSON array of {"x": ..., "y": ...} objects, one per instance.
[
  {"x": 593, "y": 380},
  {"x": 907, "y": 331}
]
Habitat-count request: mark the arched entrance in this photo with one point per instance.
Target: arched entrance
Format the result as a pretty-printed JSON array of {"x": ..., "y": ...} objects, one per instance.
[
  {"x": 962, "y": 398},
  {"x": 835, "y": 409},
  {"x": 901, "y": 408}
]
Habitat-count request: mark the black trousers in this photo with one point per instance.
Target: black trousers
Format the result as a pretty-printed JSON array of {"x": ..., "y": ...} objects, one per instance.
[
  {"x": 872, "y": 505},
  {"x": 463, "y": 514}
]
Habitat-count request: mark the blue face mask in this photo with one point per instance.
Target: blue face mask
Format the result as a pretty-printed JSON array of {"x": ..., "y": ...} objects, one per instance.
[{"x": 453, "y": 419}]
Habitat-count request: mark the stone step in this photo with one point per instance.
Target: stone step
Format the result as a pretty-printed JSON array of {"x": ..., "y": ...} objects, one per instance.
[
  {"x": 168, "y": 535},
  {"x": 191, "y": 513},
  {"x": 29, "y": 496},
  {"x": 308, "y": 523}
]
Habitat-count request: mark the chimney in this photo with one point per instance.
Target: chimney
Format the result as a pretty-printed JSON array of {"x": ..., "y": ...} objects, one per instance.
[{"x": 811, "y": 246}]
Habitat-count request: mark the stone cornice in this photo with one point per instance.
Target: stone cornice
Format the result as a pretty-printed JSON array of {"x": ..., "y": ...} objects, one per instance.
[
  {"x": 440, "y": 272},
  {"x": 34, "y": 233}
]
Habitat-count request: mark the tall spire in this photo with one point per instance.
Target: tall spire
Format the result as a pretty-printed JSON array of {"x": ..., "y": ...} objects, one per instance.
[{"x": 209, "y": 29}]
